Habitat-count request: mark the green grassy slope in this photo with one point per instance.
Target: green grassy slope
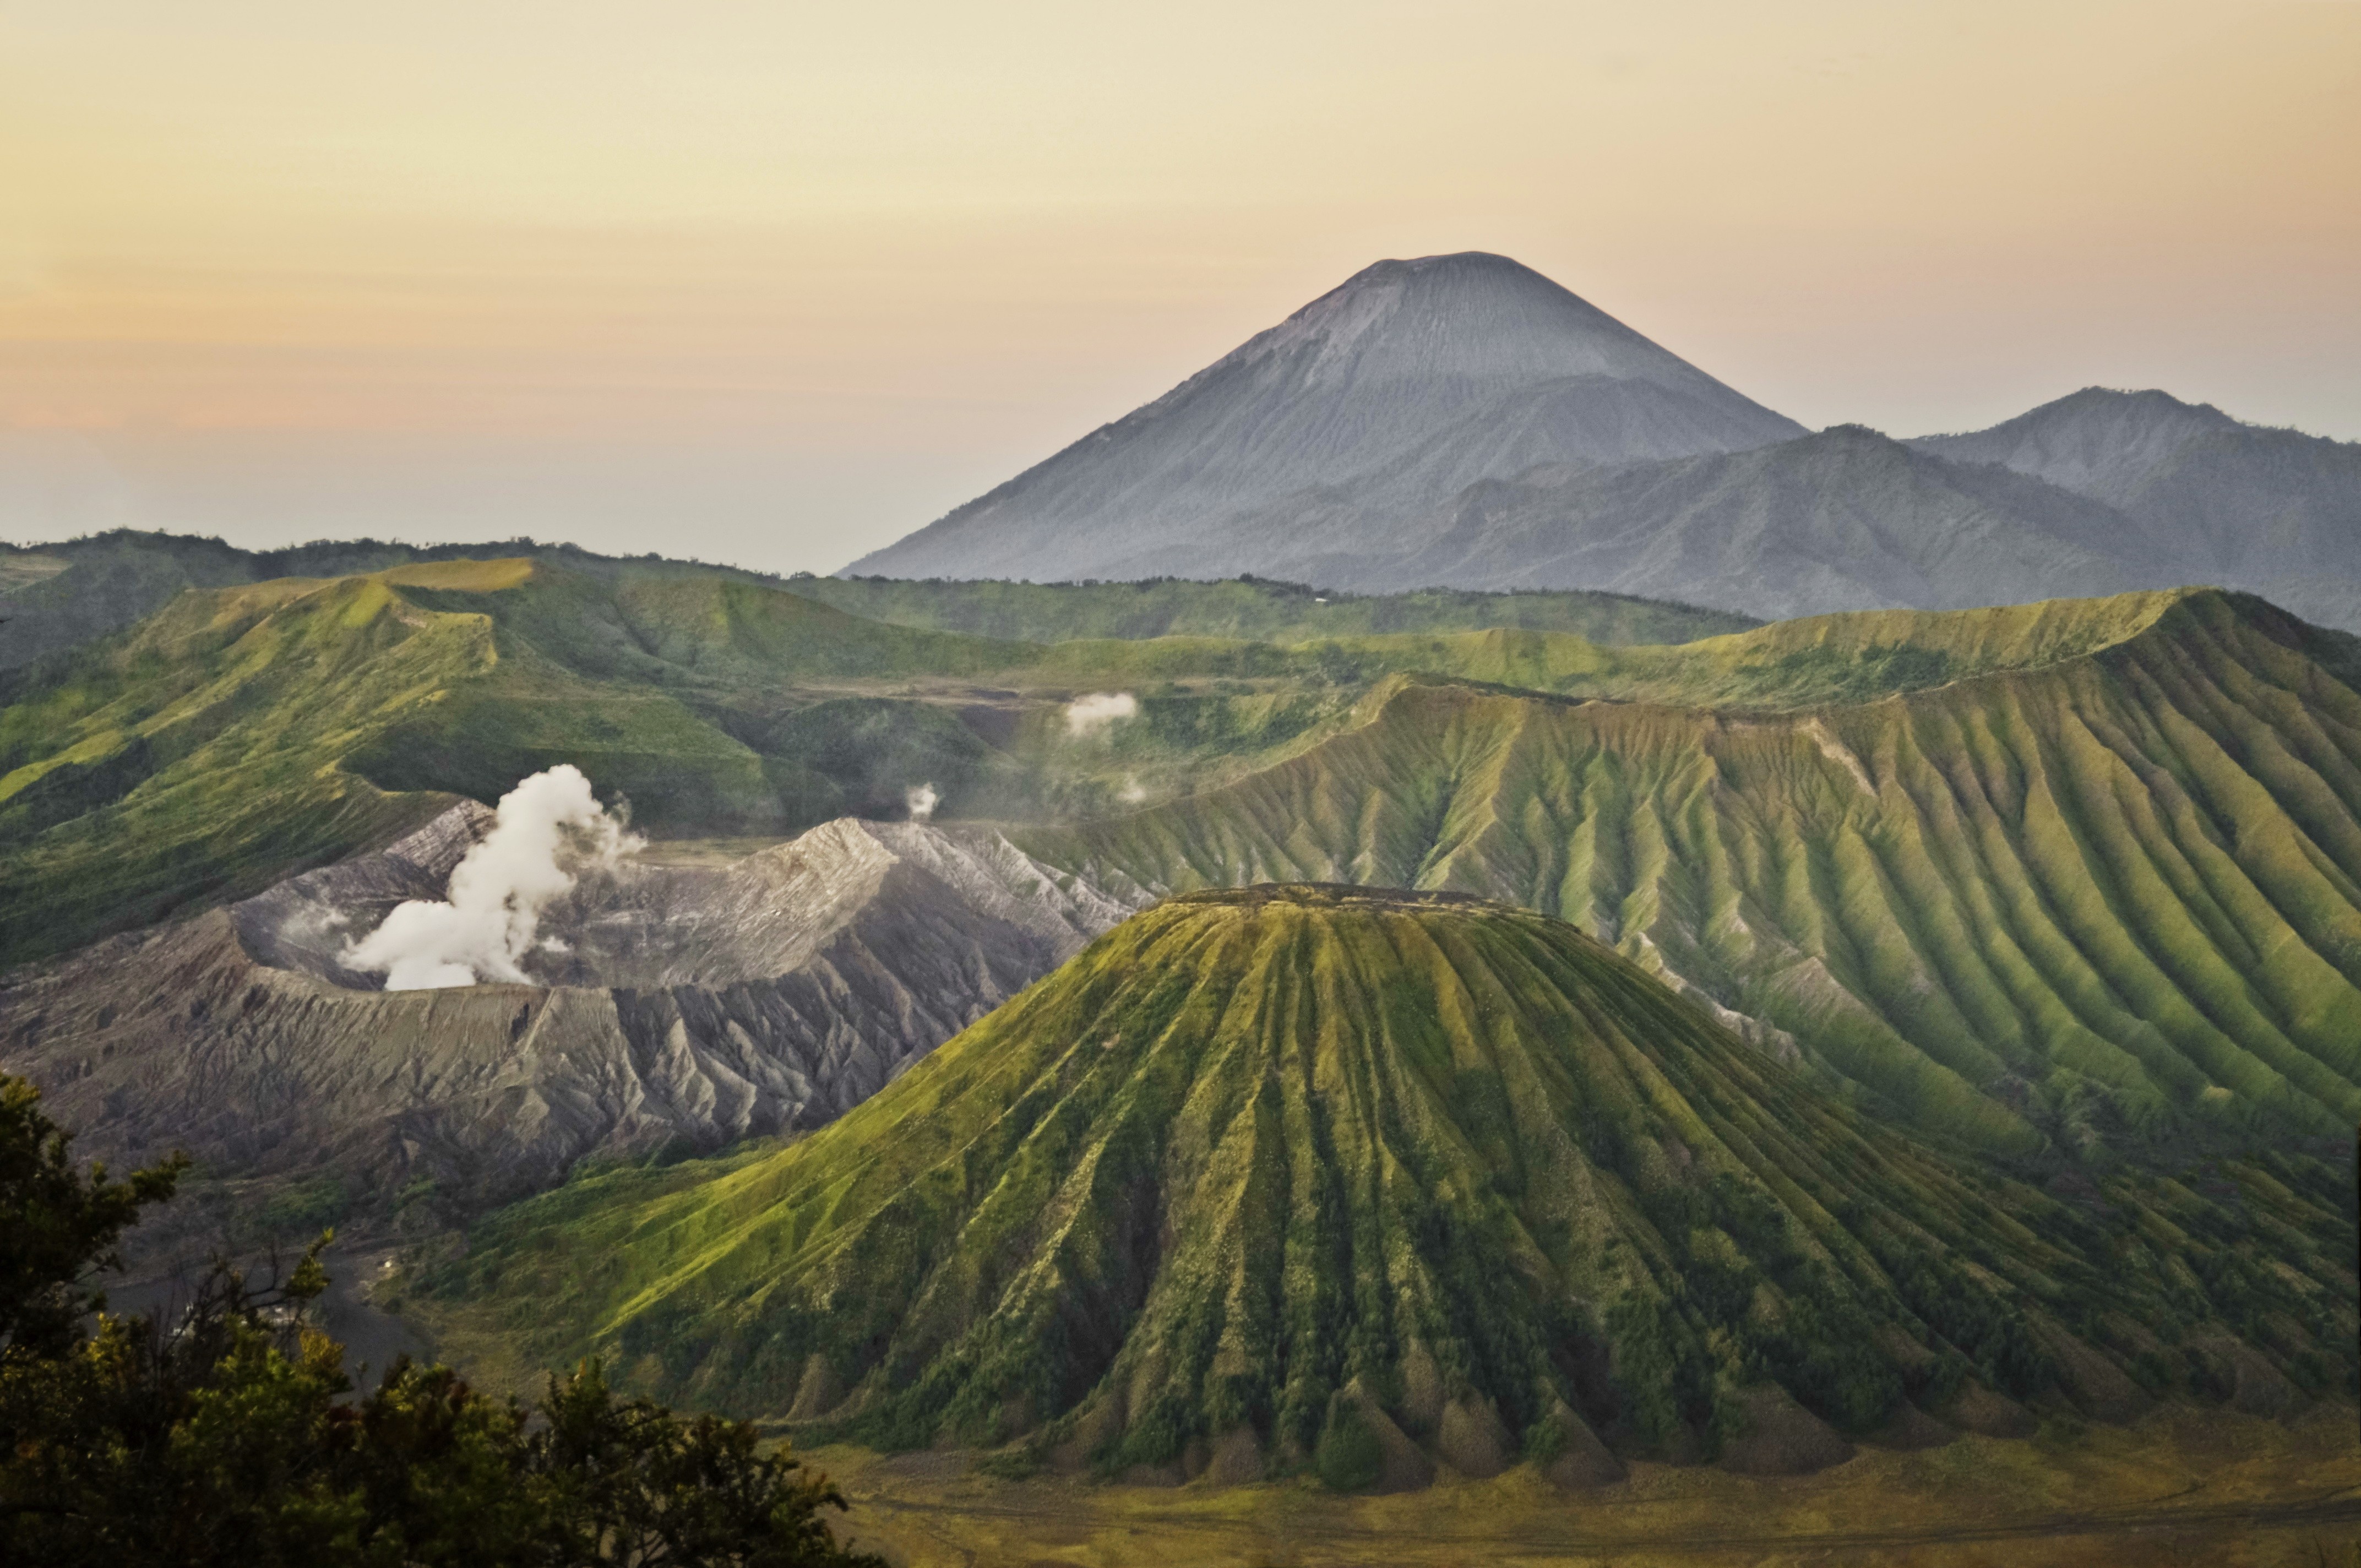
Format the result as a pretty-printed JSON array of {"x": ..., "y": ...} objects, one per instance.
[
  {"x": 2113, "y": 896},
  {"x": 1276, "y": 1162},
  {"x": 1253, "y": 609},
  {"x": 56, "y": 597},
  {"x": 826, "y": 712},
  {"x": 1816, "y": 661},
  {"x": 245, "y": 732},
  {"x": 197, "y": 760},
  {"x": 1993, "y": 928},
  {"x": 197, "y": 755}
]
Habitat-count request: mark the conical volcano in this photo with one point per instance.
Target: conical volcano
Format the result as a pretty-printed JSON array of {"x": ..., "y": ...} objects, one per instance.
[
  {"x": 1373, "y": 1182},
  {"x": 1364, "y": 410}
]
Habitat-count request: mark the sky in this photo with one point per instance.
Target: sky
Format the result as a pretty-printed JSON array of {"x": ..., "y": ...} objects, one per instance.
[{"x": 775, "y": 283}]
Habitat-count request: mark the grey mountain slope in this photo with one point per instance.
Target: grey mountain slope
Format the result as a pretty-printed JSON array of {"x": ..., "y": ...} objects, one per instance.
[
  {"x": 1844, "y": 520},
  {"x": 2096, "y": 442},
  {"x": 1411, "y": 380},
  {"x": 2274, "y": 511},
  {"x": 700, "y": 1004}
]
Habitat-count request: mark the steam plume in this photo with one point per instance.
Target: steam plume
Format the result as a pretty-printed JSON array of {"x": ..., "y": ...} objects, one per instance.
[
  {"x": 548, "y": 830},
  {"x": 1092, "y": 714},
  {"x": 922, "y": 801}
]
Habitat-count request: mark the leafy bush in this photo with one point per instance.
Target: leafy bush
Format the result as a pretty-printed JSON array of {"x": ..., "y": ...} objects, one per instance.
[
  {"x": 1348, "y": 1458},
  {"x": 222, "y": 1432}
]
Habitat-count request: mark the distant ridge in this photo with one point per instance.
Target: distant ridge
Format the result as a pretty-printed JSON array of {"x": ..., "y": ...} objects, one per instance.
[
  {"x": 1846, "y": 519},
  {"x": 1461, "y": 422},
  {"x": 2098, "y": 442},
  {"x": 1411, "y": 382},
  {"x": 2243, "y": 505},
  {"x": 58, "y": 595}
]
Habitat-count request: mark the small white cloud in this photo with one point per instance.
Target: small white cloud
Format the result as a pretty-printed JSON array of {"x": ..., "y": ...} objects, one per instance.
[
  {"x": 1098, "y": 712},
  {"x": 1133, "y": 791},
  {"x": 922, "y": 801}
]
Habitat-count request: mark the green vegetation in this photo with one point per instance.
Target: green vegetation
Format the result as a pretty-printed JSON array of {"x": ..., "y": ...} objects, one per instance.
[
  {"x": 1821, "y": 662},
  {"x": 61, "y": 1226},
  {"x": 1270, "y": 1162},
  {"x": 197, "y": 758},
  {"x": 2103, "y": 901},
  {"x": 1252, "y": 609},
  {"x": 221, "y": 1434},
  {"x": 2083, "y": 874},
  {"x": 246, "y": 732},
  {"x": 57, "y": 597}
]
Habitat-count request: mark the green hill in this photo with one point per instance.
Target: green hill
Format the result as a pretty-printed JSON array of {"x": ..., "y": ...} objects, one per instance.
[
  {"x": 1253, "y": 609},
  {"x": 2083, "y": 873},
  {"x": 1321, "y": 1177},
  {"x": 197, "y": 760},
  {"x": 56, "y": 597},
  {"x": 244, "y": 732},
  {"x": 2106, "y": 890}
]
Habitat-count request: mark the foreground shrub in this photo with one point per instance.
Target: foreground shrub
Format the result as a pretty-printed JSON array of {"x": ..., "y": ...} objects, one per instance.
[{"x": 225, "y": 1431}]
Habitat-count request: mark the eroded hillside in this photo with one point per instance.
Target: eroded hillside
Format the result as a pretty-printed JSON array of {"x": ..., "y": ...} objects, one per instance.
[
  {"x": 1359, "y": 1182},
  {"x": 2107, "y": 889},
  {"x": 682, "y": 1003}
]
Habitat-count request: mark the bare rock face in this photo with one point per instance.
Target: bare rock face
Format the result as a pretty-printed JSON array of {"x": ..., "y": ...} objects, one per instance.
[{"x": 696, "y": 1001}]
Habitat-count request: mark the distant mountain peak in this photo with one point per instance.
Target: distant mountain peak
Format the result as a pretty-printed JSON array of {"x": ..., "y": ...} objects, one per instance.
[
  {"x": 2149, "y": 406},
  {"x": 1382, "y": 398},
  {"x": 1469, "y": 313},
  {"x": 1457, "y": 269},
  {"x": 2100, "y": 441},
  {"x": 2151, "y": 399}
]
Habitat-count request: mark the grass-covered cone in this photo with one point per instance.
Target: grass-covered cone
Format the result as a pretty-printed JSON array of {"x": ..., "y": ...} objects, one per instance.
[{"x": 1354, "y": 1180}]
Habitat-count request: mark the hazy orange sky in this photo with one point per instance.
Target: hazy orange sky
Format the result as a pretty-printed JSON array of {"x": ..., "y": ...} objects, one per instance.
[{"x": 775, "y": 283}]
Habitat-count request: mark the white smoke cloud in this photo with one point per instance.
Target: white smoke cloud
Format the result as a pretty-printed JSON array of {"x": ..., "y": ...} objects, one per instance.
[
  {"x": 1094, "y": 714},
  {"x": 1133, "y": 791},
  {"x": 548, "y": 831},
  {"x": 922, "y": 801}
]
